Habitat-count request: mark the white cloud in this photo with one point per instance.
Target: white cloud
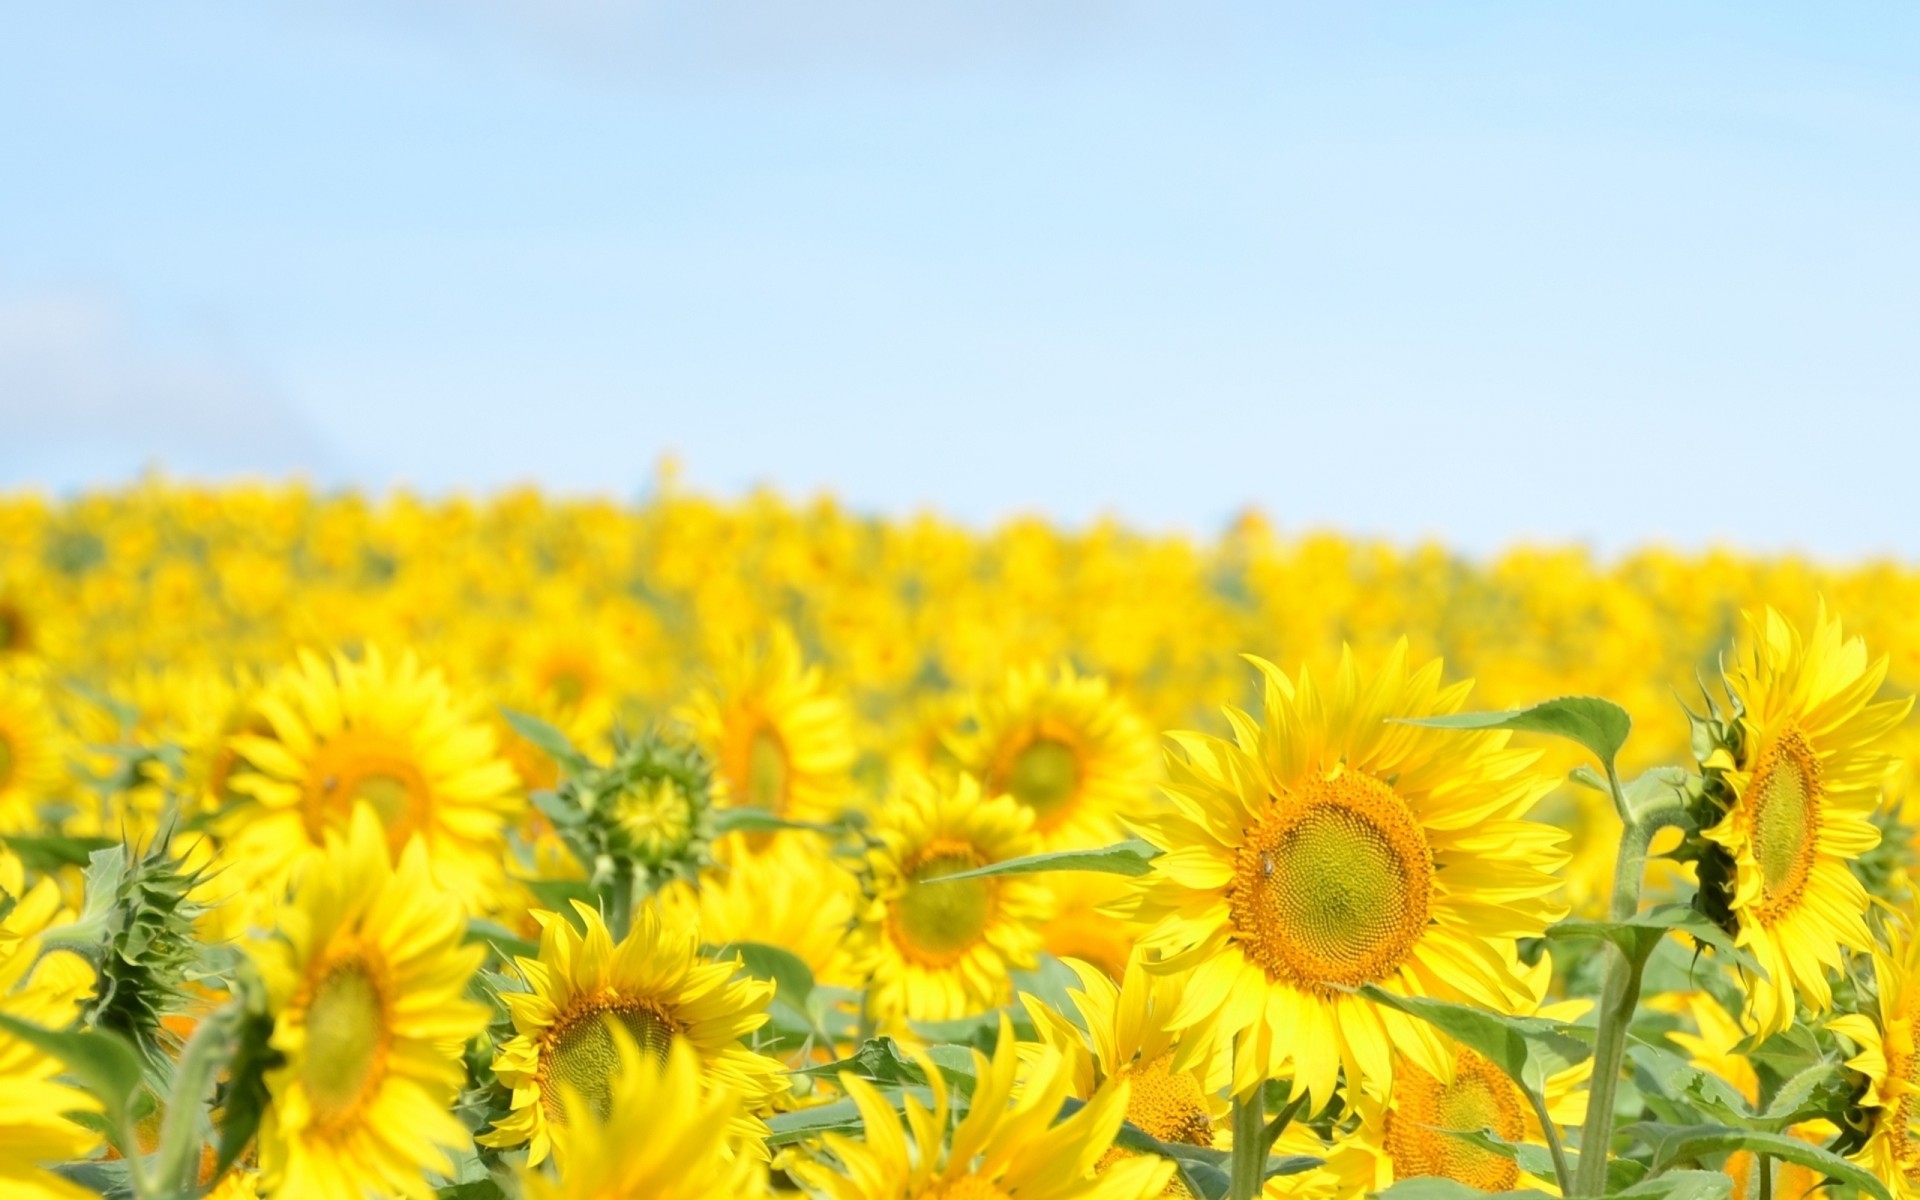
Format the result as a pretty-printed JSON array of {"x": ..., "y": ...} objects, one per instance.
[{"x": 85, "y": 399}]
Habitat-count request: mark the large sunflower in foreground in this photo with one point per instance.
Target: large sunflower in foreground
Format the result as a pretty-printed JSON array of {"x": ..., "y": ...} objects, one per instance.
[
  {"x": 653, "y": 988},
  {"x": 1887, "y": 1039},
  {"x": 1328, "y": 847},
  {"x": 664, "y": 1136},
  {"x": 366, "y": 981},
  {"x": 32, "y": 752},
  {"x": 1004, "y": 1146},
  {"x": 389, "y": 735},
  {"x": 780, "y": 740},
  {"x": 1806, "y": 770},
  {"x": 1175, "y": 1078},
  {"x": 1064, "y": 746},
  {"x": 934, "y": 951}
]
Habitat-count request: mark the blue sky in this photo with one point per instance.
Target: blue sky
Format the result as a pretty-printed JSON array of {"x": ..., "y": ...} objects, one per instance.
[{"x": 1612, "y": 271}]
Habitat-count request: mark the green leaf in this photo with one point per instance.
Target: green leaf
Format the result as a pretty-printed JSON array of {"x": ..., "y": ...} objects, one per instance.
[
  {"x": 1641, "y": 934},
  {"x": 841, "y": 1116},
  {"x": 556, "y": 895},
  {"x": 1677, "y": 1144},
  {"x": 792, "y": 978},
  {"x": 48, "y": 854},
  {"x": 1131, "y": 857},
  {"x": 1810, "y": 1093},
  {"x": 106, "y": 1064},
  {"x": 1528, "y": 1049},
  {"x": 506, "y": 944},
  {"x": 1678, "y": 1185},
  {"x": 478, "y": 1189},
  {"x": 758, "y": 820},
  {"x": 1599, "y": 725},
  {"x": 1678, "y": 1080},
  {"x": 877, "y": 1061},
  {"x": 545, "y": 737},
  {"x": 1436, "y": 1187}
]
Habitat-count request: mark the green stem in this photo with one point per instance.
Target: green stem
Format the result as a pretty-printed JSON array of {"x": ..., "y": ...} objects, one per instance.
[
  {"x": 1619, "y": 998},
  {"x": 1562, "y": 1174},
  {"x": 1248, "y": 1167},
  {"x": 1278, "y": 1126},
  {"x": 620, "y": 919},
  {"x": 178, "y": 1166},
  {"x": 1764, "y": 1165}
]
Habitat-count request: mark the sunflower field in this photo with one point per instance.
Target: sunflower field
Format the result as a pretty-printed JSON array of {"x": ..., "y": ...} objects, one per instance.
[{"x": 529, "y": 848}]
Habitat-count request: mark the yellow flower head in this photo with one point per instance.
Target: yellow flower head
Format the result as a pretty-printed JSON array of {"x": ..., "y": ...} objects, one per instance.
[
  {"x": 664, "y": 1135},
  {"x": 366, "y": 980},
  {"x": 1887, "y": 1043},
  {"x": 49, "y": 991},
  {"x": 1176, "y": 1078},
  {"x": 751, "y": 898},
  {"x": 1330, "y": 846},
  {"x": 1008, "y": 1144},
  {"x": 780, "y": 740},
  {"x": 1066, "y": 748},
  {"x": 33, "y": 752},
  {"x": 653, "y": 987},
  {"x": 388, "y": 735},
  {"x": 1807, "y": 774},
  {"x": 934, "y": 951}
]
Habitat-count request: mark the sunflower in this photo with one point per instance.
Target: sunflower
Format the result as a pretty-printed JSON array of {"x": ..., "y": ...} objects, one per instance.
[
  {"x": 366, "y": 980},
  {"x": 935, "y": 951},
  {"x": 1328, "y": 847},
  {"x": 1412, "y": 1131},
  {"x": 1003, "y": 1146},
  {"x": 780, "y": 741},
  {"x": 749, "y": 898},
  {"x": 1805, "y": 770},
  {"x": 34, "y": 1128},
  {"x": 1176, "y": 1079},
  {"x": 1065, "y": 747},
  {"x": 392, "y": 736},
  {"x": 32, "y": 753},
  {"x": 1887, "y": 1041},
  {"x": 665, "y": 1136},
  {"x": 654, "y": 987}
]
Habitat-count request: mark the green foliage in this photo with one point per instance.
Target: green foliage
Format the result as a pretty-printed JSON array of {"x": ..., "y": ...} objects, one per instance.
[
  {"x": 1528, "y": 1049},
  {"x": 1132, "y": 857},
  {"x": 1600, "y": 725},
  {"x": 1677, "y": 1145},
  {"x": 148, "y": 953}
]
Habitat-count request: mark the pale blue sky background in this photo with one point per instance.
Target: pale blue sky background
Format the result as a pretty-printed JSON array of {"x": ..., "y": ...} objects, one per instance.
[{"x": 1611, "y": 271}]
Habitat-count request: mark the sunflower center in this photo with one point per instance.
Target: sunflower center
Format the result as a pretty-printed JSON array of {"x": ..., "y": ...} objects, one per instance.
[
  {"x": 568, "y": 682},
  {"x": 1045, "y": 776},
  {"x": 767, "y": 769},
  {"x": 6, "y": 757},
  {"x": 969, "y": 1187},
  {"x": 582, "y": 1056},
  {"x": 347, "y": 1036},
  {"x": 13, "y": 628},
  {"x": 360, "y": 768},
  {"x": 937, "y": 923},
  {"x": 1332, "y": 886},
  {"x": 1171, "y": 1107},
  {"x": 1783, "y": 798},
  {"x": 1424, "y": 1108}
]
